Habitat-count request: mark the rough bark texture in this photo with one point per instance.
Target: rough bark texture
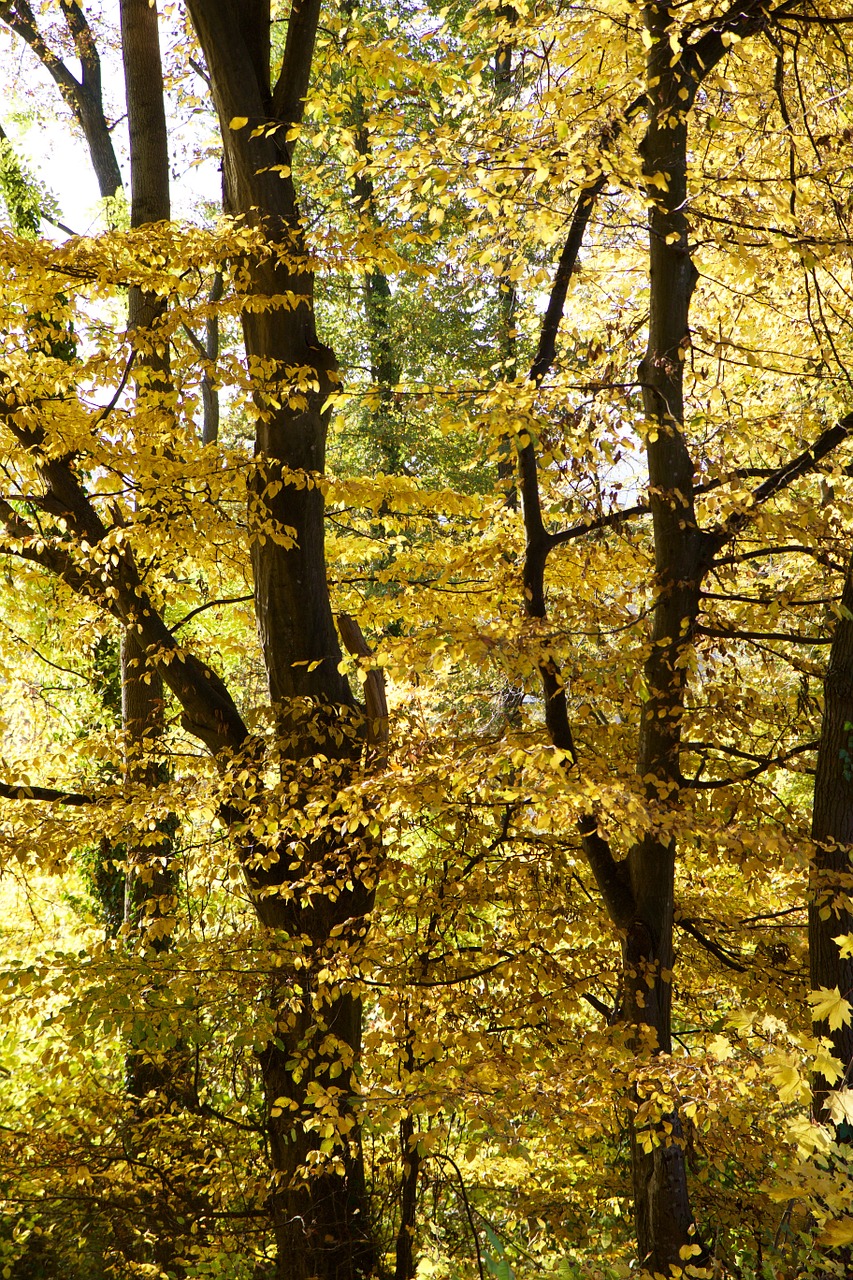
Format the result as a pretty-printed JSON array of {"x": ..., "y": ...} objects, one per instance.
[
  {"x": 320, "y": 1218},
  {"x": 830, "y": 912}
]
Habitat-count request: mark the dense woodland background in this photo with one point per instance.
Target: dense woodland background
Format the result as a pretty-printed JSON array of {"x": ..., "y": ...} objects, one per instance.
[{"x": 426, "y": 635}]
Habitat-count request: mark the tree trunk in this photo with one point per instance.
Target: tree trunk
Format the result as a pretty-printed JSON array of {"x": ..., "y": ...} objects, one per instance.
[
  {"x": 661, "y": 1204},
  {"x": 149, "y": 886},
  {"x": 317, "y": 1197},
  {"x": 830, "y": 913}
]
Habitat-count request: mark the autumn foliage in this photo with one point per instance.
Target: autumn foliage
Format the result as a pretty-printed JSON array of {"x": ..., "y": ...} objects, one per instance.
[{"x": 426, "y": 776}]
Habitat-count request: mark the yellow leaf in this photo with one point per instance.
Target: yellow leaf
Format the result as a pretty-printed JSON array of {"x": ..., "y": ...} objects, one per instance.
[
  {"x": 238, "y": 122},
  {"x": 830, "y": 1006},
  {"x": 838, "y": 1231},
  {"x": 841, "y": 1106},
  {"x": 788, "y": 1081},
  {"x": 828, "y": 1066},
  {"x": 720, "y": 1048}
]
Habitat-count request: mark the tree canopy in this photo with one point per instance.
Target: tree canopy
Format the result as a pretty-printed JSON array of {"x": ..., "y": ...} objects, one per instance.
[{"x": 426, "y": 777}]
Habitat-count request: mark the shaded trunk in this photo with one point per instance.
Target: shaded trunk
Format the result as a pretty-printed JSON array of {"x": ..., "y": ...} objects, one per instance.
[
  {"x": 830, "y": 913},
  {"x": 404, "y": 1249},
  {"x": 317, "y": 1195},
  {"x": 664, "y": 1220},
  {"x": 149, "y": 900}
]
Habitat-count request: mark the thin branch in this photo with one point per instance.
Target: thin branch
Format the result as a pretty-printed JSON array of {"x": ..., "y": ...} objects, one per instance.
[
  {"x": 787, "y": 636},
  {"x": 774, "y": 915},
  {"x": 601, "y": 522},
  {"x": 725, "y": 957},
  {"x": 791, "y": 549},
  {"x": 107, "y": 410},
  {"x": 781, "y": 479},
  {"x": 699, "y": 747},
  {"x": 438, "y": 1155},
  {"x": 200, "y": 71},
  {"x": 765, "y": 765},
  {"x": 598, "y": 1005},
  {"x": 209, "y": 604}
]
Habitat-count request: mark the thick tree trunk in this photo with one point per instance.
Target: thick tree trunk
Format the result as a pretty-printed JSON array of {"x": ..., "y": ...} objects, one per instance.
[
  {"x": 830, "y": 913},
  {"x": 317, "y": 1195}
]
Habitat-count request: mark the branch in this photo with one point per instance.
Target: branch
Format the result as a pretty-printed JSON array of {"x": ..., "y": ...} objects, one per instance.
[
  {"x": 374, "y": 686},
  {"x": 712, "y": 784},
  {"x": 601, "y": 522},
  {"x": 788, "y": 637},
  {"x": 84, "y": 44},
  {"x": 742, "y": 20},
  {"x": 200, "y": 71},
  {"x": 791, "y": 549},
  {"x": 782, "y": 478},
  {"x": 288, "y": 101},
  {"x": 210, "y": 604},
  {"x": 699, "y": 747},
  {"x": 19, "y": 16},
  {"x": 598, "y": 1005},
  {"x": 611, "y": 876},
  {"x": 566, "y": 266},
  {"x": 107, "y": 410},
  {"x": 36, "y": 549},
  {"x": 209, "y": 710},
  {"x": 437, "y": 1155},
  {"x": 643, "y": 508},
  {"x": 9, "y": 792},
  {"x": 84, "y": 97},
  {"x": 725, "y": 957},
  {"x": 842, "y": 18}
]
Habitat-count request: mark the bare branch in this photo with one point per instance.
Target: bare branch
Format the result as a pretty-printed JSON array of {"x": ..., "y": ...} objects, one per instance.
[{"x": 788, "y": 636}]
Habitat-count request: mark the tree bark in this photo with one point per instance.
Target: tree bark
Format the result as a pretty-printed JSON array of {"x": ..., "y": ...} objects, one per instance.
[
  {"x": 84, "y": 96},
  {"x": 664, "y": 1220},
  {"x": 149, "y": 887},
  {"x": 317, "y": 1197},
  {"x": 830, "y": 912}
]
